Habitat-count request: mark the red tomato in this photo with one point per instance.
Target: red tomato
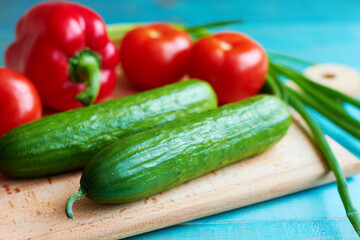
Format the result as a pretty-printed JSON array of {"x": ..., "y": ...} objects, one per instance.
[
  {"x": 233, "y": 63},
  {"x": 155, "y": 55},
  {"x": 19, "y": 100}
]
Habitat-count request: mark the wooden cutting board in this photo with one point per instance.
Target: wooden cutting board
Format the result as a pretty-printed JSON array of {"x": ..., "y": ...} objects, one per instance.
[{"x": 34, "y": 209}]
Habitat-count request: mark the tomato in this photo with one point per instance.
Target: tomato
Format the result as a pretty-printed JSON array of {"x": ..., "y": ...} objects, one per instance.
[
  {"x": 19, "y": 100},
  {"x": 154, "y": 55},
  {"x": 233, "y": 63}
]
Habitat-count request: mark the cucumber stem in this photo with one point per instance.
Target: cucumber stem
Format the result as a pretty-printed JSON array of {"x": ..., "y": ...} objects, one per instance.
[{"x": 76, "y": 196}]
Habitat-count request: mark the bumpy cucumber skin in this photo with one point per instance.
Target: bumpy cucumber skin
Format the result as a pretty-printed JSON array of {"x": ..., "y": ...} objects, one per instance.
[
  {"x": 68, "y": 140},
  {"x": 149, "y": 162}
]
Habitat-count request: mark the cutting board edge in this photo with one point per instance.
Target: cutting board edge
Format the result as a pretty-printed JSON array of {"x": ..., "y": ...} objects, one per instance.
[{"x": 327, "y": 179}]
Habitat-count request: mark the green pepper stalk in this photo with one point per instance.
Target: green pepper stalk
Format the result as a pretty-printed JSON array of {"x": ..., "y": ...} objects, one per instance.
[{"x": 84, "y": 67}]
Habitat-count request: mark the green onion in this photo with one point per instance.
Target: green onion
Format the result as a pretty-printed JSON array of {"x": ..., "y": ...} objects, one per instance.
[
  {"x": 202, "y": 30},
  {"x": 318, "y": 99},
  {"x": 335, "y": 95},
  {"x": 273, "y": 86},
  {"x": 328, "y": 102},
  {"x": 338, "y": 118},
  {"x": 118, "y": 30},
  {"x": 284, "y": 94},
  {"x": 285, "y": 57},
  {"x": 351, "y": 211}
]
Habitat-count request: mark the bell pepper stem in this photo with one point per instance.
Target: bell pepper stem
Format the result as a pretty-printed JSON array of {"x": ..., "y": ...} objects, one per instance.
[
  {"x": 85, "y": 68},
  {"x": 77, "y": 196}
]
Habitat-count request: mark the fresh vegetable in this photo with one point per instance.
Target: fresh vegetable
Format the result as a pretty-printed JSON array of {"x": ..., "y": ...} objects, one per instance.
[
  {"x": 68, "y": 140},
  {"x": 63, "y": 47},
  {"x": 151, "y": 161},
  {"x": 233, "y": 63},
  {"x": 118, "y": 30},
  {"x": 19, "y": 100},
  {"x": 326, "y": 101},
  {"x": 155, "y": 55}
]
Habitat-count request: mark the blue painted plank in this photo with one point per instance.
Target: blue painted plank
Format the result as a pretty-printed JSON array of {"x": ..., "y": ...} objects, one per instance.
[
  {"x": 323, "y": 31},
  {"x": 311, "y": 214},
  {"x": 286, "y": 229}
]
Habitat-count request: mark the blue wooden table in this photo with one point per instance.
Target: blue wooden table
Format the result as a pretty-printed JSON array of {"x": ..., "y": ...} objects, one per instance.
[{"x": 323, "y": 31}]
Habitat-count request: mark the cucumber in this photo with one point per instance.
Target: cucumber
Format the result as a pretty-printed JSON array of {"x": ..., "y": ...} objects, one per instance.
[
  {"x": 152, "y": 161},
  {"x": 68, "y": 140}
]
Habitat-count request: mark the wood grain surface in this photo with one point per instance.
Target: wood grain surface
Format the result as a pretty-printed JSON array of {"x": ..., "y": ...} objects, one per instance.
[{"x": 34, "y": 209}]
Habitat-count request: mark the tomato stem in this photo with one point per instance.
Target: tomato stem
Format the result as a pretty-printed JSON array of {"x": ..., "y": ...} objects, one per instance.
[
  {"x": 77, "y": 196},
  {"x": 84, "y": 67}
]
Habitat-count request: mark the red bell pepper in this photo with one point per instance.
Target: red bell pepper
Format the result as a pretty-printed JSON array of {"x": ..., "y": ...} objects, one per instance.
[{"x": 64, "y": 49}]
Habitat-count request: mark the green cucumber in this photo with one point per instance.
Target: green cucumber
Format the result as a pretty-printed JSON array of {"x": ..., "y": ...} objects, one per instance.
[
  {"x": 68, "y": 140},
  {"x": 152, "y": 161}
]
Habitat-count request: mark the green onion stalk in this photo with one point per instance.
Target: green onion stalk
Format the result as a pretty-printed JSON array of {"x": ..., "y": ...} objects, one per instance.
[
  {"x": 325, "y": 100},
  {"x": 118, "y": 30}
]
